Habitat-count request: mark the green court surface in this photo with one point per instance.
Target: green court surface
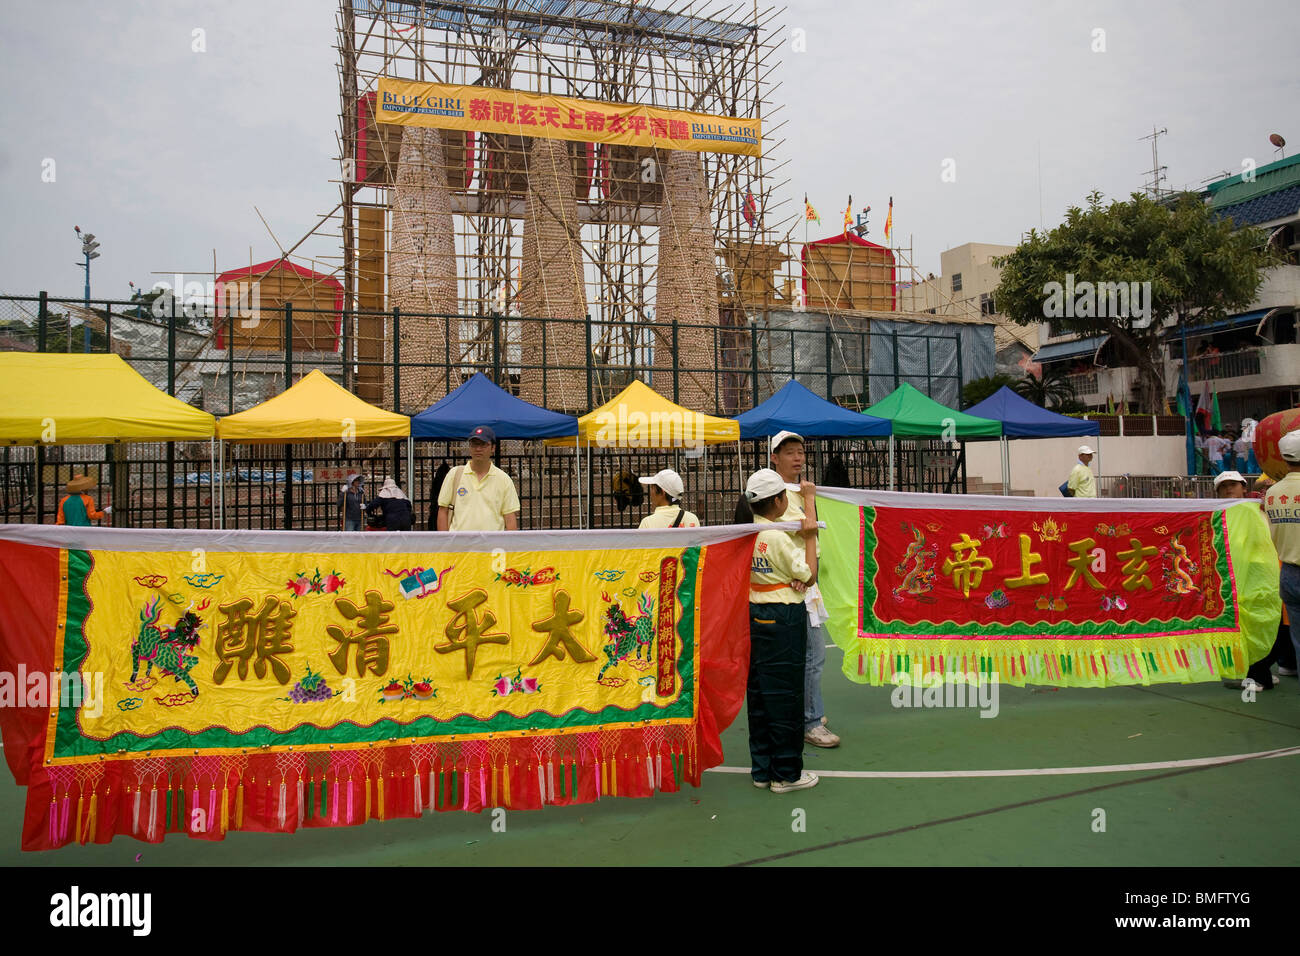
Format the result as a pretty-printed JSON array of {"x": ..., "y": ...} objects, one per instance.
[{"x": 1239, "y": 812}]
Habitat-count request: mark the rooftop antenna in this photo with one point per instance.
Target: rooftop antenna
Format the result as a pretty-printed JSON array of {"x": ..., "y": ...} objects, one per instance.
[{"x": 1156, "y": 172}]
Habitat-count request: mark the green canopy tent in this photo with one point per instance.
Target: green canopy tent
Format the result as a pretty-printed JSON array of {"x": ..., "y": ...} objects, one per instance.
[{"x": 916, "y": 415}]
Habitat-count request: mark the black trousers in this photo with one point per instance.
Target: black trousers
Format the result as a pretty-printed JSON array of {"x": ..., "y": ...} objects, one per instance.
[
  {"x": 778, "y": 636},
  {"x": 1282, "y": 653}
]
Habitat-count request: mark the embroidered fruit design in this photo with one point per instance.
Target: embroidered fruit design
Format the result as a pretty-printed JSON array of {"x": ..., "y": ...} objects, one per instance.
[
  {"x": 300, "y": 587},
  {"x": 423, "y": 690},
  {"x": 394, "y": 691},
  {"x": 310, "y": 688}
]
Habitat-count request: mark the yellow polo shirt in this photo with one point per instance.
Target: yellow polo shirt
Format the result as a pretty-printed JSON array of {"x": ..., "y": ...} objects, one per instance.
[
  {"x": 794, "y": 512},
  {"x": 777, "y": 561},
  {"x": 1081, "y": 482},
  {"x": 665, "y": 515},
  {"x": 1282, "y": 505},
  {"x": 479, "y": 505}
]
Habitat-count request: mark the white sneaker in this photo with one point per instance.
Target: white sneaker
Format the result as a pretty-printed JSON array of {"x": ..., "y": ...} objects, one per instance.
[
  {"x": 761, "y": 784},
  {"x": 1286, "y": 671},
  {"x": 821, "y": 737},
  {"x": 808, "y": 779}
]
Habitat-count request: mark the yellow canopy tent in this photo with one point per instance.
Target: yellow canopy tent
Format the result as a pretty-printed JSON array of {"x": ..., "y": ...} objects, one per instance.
[
  {"x": 52, "y": 399},
  {"x": 316, "y": 408},
  {"x": 639, "y": 417}
]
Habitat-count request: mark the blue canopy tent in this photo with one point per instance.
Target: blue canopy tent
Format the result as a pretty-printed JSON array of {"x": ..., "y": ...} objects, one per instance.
[
  {"x": 480, "y": 402},
  {"x": 795, "y": 408},
  {"x": 1021, "y": 418}
]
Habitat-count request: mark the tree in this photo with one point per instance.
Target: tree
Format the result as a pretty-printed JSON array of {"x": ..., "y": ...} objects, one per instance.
[
  {"x": 978, "y": 389},
  {"x": 1051, "y": 390},
  {"x": 1173, "y": 258}
]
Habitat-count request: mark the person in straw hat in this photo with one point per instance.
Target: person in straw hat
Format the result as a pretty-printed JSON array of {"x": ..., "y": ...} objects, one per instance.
[{"x": 78, "y": 508}]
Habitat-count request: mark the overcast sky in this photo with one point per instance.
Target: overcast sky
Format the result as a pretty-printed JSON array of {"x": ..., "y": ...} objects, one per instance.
[{"x": 163, "y": 152}]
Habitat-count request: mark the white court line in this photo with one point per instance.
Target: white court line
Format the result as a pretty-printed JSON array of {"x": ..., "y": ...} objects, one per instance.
[{"x": 1042, "y": 771}]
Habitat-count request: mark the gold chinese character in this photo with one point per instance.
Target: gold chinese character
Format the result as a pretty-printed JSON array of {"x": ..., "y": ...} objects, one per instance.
[
  {"x": 561, "y": 639},
  {"x": 465, "y": 632},
  {"x": 968, "y": 570},
  {"x": 1136, "y": 565},
  {"x": 242, "y": 638},
  {"x": 370, "y": 643},
  {"x": 1027, "y": 561}
]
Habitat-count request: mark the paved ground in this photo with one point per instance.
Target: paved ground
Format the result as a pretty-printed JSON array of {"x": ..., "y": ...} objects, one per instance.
[{"x": 1240, "y": 813}]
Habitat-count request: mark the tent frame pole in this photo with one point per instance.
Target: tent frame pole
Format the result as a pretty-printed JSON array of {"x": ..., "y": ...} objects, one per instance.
[
  {"x": 891, "y": 462},
  {"x": 212, "y": 477},
  {"x": 1006, "y": 466},
  {"x": 221, "y": 458},
  {"x": 410, "y": 468}
]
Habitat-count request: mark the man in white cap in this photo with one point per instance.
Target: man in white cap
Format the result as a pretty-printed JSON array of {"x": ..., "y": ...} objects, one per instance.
[
  {"x": 1282, "y": 506},
  {"x": 478, "y": 496},
  {"x": 1081, "y": 482},
  {"x": 787, "y": 454},
  {"x": 666, "y": 490}
]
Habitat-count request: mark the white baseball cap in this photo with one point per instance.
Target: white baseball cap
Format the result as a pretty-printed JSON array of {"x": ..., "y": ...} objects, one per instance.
[
  {"x": 668, "y": 480},
  {"x": 1289, "y": 446},
  {"x": 764, "y": 483},
  {"x": 1228, "y": 476},
  {"x": 1085, "y": 450},
  {"x": 780, "y": 437}
]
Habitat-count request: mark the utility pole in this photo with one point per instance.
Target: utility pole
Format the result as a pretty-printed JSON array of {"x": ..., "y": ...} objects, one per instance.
[
  {"x": 88, "y": 247},
  {"x": 1156, "y": 172}
]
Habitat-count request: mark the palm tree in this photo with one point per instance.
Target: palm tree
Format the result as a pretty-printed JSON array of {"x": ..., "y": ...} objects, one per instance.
[{"x": 1049, "y": 390}]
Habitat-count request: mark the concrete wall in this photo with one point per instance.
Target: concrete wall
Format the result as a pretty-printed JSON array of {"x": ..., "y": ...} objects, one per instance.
[{"x": 1041, "y": 464}]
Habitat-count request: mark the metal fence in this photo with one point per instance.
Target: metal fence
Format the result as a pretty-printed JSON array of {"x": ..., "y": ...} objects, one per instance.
[
  {"x": 1155, "y": 486},
  {"x": 1225, "y": 365},
  {"x": 171, "y": 484}
]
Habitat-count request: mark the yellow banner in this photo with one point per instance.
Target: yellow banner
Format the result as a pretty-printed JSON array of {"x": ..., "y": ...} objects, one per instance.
[
  {"x": 372, "y": 646},
  {"x": 487, "y": 110}
]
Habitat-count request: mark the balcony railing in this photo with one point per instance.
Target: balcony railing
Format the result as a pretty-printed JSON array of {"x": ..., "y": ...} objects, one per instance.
[
  {"x": 1224, "y": 365},
  {"x": 1083, "y": 383}
]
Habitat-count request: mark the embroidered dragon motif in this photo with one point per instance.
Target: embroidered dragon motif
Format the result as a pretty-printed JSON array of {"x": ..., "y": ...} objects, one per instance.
[
  {"x": 628, "y": 634},
  {"x": 166, "y": 647}
]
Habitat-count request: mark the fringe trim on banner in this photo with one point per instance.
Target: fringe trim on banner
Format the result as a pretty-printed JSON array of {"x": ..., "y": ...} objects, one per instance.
[
  {"x": 126, "y": 798},
  {"x": 1082, "y": 662}
]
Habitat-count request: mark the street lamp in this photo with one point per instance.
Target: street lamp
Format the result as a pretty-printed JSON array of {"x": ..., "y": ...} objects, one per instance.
[{"x": 88, "y": 247}]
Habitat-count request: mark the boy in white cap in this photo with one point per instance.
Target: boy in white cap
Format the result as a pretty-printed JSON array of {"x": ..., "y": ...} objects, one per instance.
[
  {"x": 1230, "y": 484},
  {"x": 778, "y": 626},
  {"x": 478, "y": 496},
  {"x": 1282, "y": 506},
  {"x": 666, "y": 489},
  {"x": 787, "y": 455},
  {"x": 1081, "y": 482}
]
